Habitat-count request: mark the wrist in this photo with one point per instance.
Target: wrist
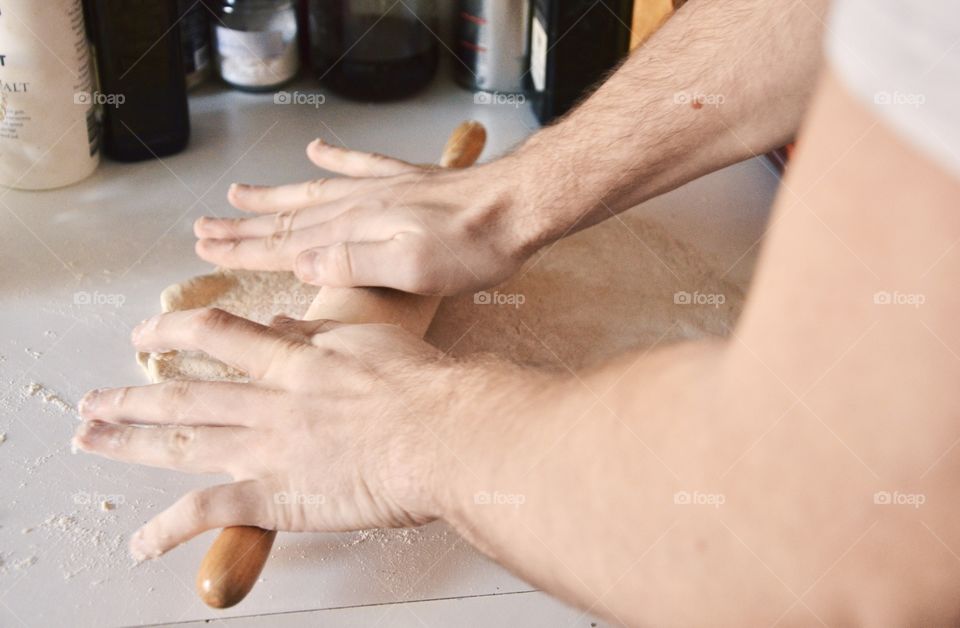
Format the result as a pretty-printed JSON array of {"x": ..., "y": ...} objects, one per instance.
[
  {"x": 553, "y": 194},
  {"x": 457, "y": 386},
  {"x": 489, "y": 406},
  {"x": 504, "y": 212}
]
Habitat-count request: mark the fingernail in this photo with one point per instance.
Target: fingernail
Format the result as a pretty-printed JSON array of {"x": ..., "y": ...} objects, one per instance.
[
  {"x": 90, "y": 402},
  {"x": 138, "y": 331},
  {"x": 237, "y": 189},
  {"x": 76, "y": 443},
  {"x": 140, "y": 549},
  {"x": 90, "y": 432},
  {"x": 144, "y": 326}
]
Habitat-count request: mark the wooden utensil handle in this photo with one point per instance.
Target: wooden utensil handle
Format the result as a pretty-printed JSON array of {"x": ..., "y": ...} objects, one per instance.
[
  {"x": 232, "y": 564},
  {"x": 234, "y": 561}
]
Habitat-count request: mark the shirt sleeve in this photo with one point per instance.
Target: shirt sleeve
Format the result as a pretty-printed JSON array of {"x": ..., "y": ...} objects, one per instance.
[{"x": 902, "y": 59}]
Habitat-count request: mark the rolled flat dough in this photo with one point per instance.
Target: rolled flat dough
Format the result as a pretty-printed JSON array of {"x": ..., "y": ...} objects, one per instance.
[{"x": 598, "y": 293}]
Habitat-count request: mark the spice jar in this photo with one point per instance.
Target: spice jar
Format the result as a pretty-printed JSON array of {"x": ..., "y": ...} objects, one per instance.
[{"x": 256, "y": 43}]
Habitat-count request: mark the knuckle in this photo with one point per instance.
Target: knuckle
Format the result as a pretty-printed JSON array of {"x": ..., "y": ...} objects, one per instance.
[
  {"x": 193, "y": 507},
  {"x": 327, "y": 354},
  {"x": 323, "y": 348},
  {"x": 210, "y": 320},
  {"x": 174, "y": 392},
  {"x": 271, "y": 511},
  {"x": 179, "y": 441},
  {"x": 226, "y": 248},
  {"x": 315, "y": 188},
  {"x": 284, "y": 359},
  {"x": 340, "y": 262},
  {"x": 120, "y": 438},
  {"x": 338, "y": 155},
  {"x": 381, "y": 204},
  {"x": 369, "y": 160},
  {"x": 233, "y": 225},
  {"x": 121, "y": 395}
]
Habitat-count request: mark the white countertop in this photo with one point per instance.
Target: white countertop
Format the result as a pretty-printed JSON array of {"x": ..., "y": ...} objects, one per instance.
[{"x": 82, "y": 265}]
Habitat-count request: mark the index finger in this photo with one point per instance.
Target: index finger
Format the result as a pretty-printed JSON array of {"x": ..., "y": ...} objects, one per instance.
[
  {"x": 241, "y": 343},
  {"x": 272, "y": 199}
]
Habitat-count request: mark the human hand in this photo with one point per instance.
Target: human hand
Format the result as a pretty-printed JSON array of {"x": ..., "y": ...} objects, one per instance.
[
  {"x": 385, "y": 223},
  {"x": 339, "y": 427}
]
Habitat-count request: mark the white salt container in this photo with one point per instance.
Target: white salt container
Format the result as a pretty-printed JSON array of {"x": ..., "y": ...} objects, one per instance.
[{"x": 49, "y": 131}]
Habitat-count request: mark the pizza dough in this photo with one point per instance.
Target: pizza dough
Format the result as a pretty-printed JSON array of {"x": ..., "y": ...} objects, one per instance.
[
  {"x": 623, "y": 284},
  {"x": 258, "y": 296}
]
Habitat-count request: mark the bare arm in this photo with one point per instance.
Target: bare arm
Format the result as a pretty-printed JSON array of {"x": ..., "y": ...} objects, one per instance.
[
  {"x": 733, "y": 483},
  {"x": 722, "y": 81},
  {"x": 719, "y": 83},
  {"x": 802, "y": 471}
]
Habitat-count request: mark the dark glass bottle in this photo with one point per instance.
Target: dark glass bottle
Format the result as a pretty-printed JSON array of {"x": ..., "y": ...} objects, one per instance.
[
  {"x": 142, "y": 78},
  {"x": 373, "y": 49},
  {"x": 573, "y": 45},
  {"x": 195, "y": 40}
]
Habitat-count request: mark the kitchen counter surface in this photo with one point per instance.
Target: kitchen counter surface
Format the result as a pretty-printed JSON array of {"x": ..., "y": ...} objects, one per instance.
[{"x": 82, "y": 265}]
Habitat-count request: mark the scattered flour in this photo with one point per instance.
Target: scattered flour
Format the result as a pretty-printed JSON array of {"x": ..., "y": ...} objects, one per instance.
[
  {"x": 407, "y": 536},
  {"x": 90, "y": 548},
  {"x": 49, "y": 397},
  {"x": 8, "y": 564},
  {"x": 397, "y": 553},
  {"x": 24, "y": 563}
]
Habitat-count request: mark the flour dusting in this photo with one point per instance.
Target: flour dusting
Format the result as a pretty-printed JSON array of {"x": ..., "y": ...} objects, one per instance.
[{"x": 49, "y": 397}]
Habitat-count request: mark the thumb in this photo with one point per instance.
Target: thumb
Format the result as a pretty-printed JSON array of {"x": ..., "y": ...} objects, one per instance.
[
  {"x": 386, "y": 263},
  {"x": 238, "y": 503}
]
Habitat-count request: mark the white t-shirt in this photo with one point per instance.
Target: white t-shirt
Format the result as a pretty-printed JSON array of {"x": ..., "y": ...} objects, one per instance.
[{"x": 902, "y": 57}]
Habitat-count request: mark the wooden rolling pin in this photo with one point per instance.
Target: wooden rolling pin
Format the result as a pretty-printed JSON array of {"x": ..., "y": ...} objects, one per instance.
[{"x": 234, "y": 561}]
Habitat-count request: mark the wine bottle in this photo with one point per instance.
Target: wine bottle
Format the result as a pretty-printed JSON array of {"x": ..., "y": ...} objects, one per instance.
[
  {"x": 142, "y": 78},
  {"x": 573, "y": 45}
]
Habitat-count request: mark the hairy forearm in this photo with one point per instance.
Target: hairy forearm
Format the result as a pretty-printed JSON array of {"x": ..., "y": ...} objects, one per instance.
[
  {"x": 573, "y": 481},
  {"x": 570, "y": 481},
  {"x": 635, "y": 492},
  {"x": 722, "y": 81},
  {"x": 736, "y": 483}
]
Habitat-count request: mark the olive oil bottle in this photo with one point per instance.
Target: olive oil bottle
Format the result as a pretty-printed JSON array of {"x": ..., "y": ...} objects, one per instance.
[{"x": 142, "y": 78}]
